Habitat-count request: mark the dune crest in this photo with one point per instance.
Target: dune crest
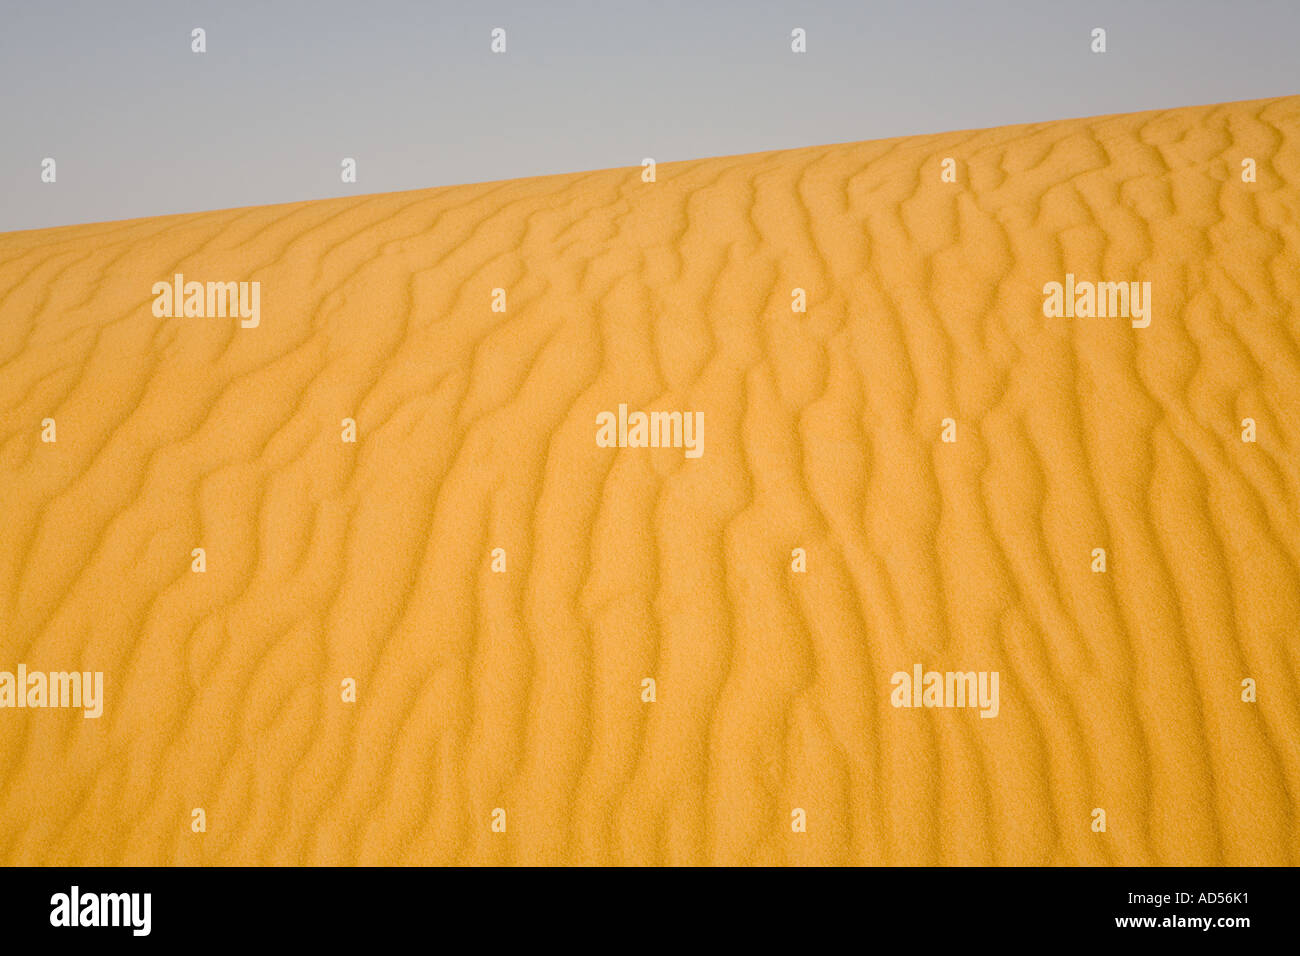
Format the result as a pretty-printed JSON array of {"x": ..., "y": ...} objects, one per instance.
[{"x": 365, "y": 587}]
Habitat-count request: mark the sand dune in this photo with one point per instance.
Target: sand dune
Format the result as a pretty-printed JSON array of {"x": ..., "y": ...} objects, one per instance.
[{"x": 476, "y": 429}]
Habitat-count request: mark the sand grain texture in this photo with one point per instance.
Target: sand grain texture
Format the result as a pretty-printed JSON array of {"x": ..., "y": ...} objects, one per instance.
[{"x": 476, "y": 431}]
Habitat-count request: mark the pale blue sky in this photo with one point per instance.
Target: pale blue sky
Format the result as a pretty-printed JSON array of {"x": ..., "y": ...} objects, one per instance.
[{"x": 140, "y": 126}]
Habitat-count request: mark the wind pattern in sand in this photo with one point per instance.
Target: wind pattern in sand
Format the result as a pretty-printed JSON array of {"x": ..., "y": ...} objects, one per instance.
[{"x": 522, "y": 690}]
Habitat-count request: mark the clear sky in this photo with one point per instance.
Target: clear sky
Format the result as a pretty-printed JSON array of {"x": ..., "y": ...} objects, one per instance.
[{"x": 139, "y": 125}]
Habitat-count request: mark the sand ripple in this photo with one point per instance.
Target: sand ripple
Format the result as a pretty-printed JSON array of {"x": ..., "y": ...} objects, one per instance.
[{"x": 522, "y": 690}]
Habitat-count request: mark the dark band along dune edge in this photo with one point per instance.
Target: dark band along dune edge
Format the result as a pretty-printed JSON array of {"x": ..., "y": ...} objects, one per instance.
[{"x": 476, "y": 430}]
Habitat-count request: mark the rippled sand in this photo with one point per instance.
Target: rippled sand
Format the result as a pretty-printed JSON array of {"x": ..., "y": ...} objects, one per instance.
[{"x": 476, "y": 430}]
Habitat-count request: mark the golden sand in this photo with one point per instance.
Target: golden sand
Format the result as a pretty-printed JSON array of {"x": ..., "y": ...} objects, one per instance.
[{"x": 476, "y": 429}]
